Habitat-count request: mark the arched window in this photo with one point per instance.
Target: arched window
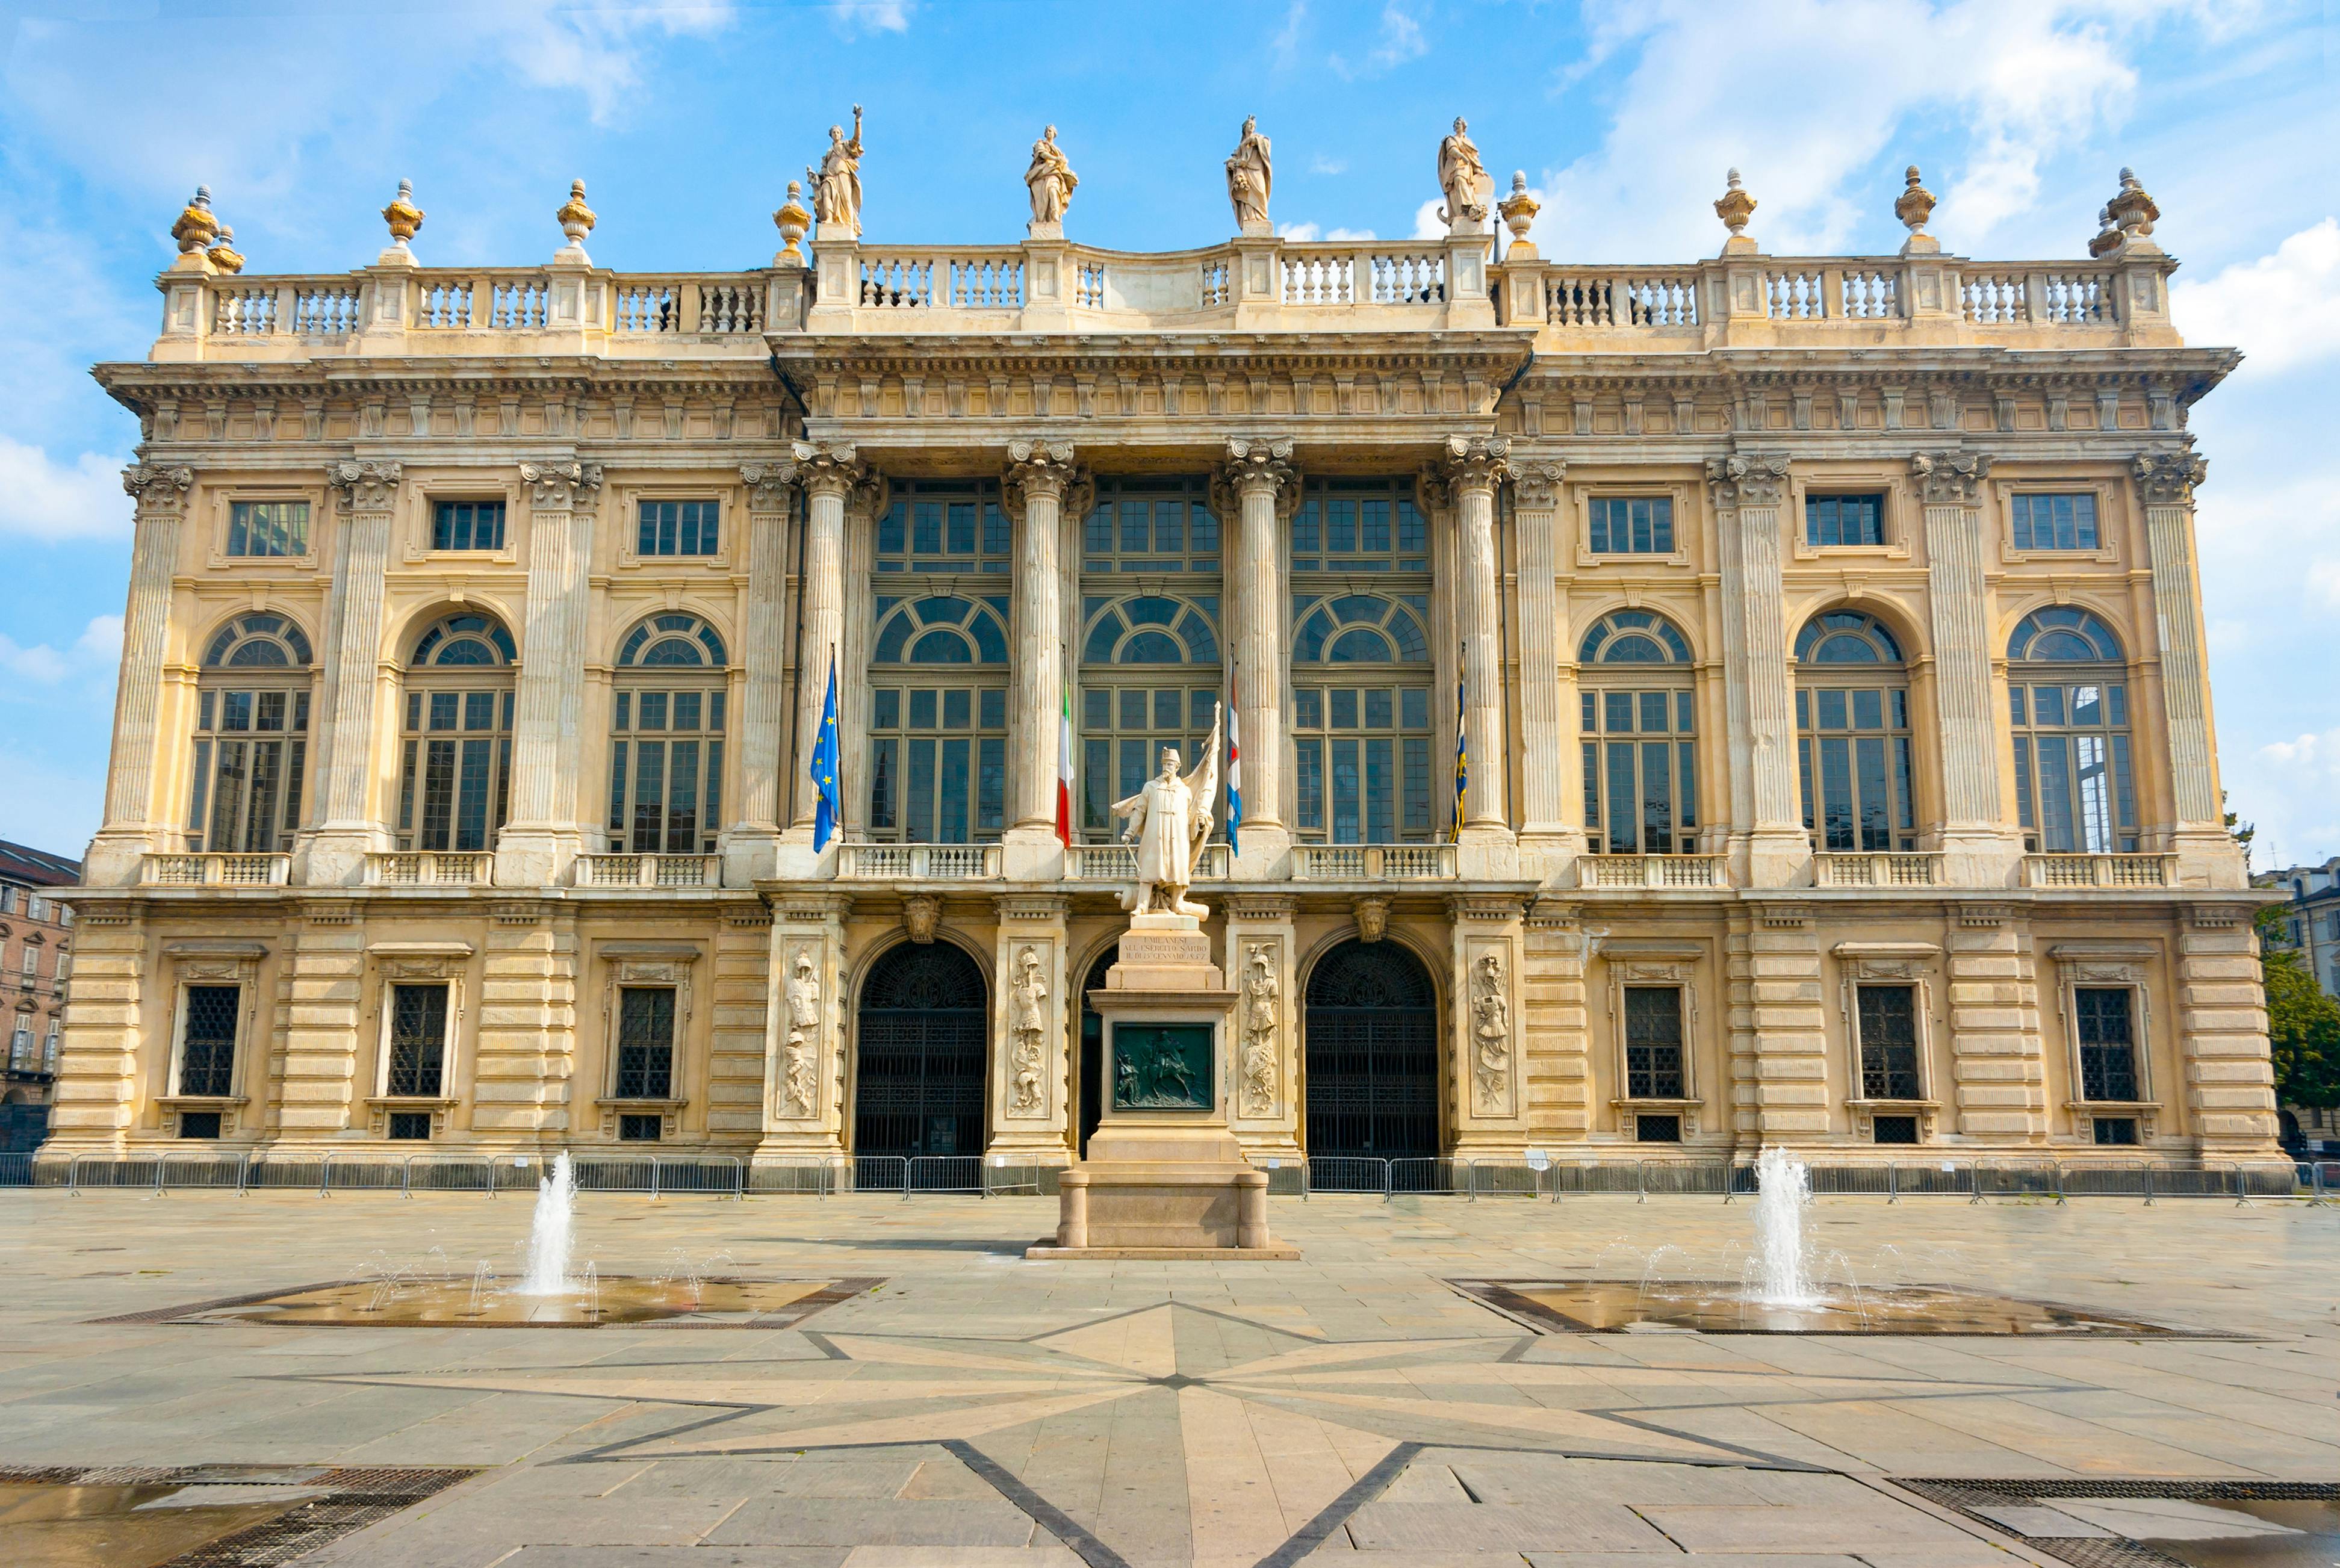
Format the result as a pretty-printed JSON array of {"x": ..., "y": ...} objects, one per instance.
[
  {"x": 1638, "y": 718},
  {"x": 1150, "y": 675},
  {"x": 1852, "y": 735},
  {"x": 455, "y": 761},
  {"x": 2068, "y": 694},
  {"x": 1360, "y": 719},
  {"x": 938, "y": 721},
  {"x": 252, "y": 737},
  {"x": 666, "y": 741}
]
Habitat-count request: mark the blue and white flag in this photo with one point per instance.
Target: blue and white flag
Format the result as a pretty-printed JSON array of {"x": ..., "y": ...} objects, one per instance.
[{"x": 828, "y": 804}]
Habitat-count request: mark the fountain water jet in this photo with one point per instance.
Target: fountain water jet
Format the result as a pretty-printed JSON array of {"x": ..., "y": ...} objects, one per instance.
[
  {"x": 1783, "y": 1192},
  {"x": 552, "y": 1233}
]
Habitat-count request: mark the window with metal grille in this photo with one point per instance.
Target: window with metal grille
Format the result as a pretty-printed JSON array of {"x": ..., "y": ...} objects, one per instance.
[
  {"x": 1631, "y": 525},
  {"x": 1894, "y": 1130},
  {"x": 678, "y": 528},
  {"x": 1832, "y": 521},
  {"x": 1888, "y": 1043},
  {"x": 1653, "y": 1042},
  {"x": 2108, "y": 1042},
  {"x": 920, "y": 1051},
  {"x": 639, "y": 1129},
  {"x": 467, "y": 525},
  {"x": 2116, "y": 1132},
  {"x": 268, "y": 528},
  {"x": 418, "y": 1040},
  {"x": 1371, "y": 1030},
  {"x": 198, "y": 1124},
  {"x": 409, "y": 1125},
  {"x": 645, "y": 1043},
  {"x": 1657, "y": 1129},
  {"x": 2054, "y": 522},
  {"x": 207, "y": 1043}
]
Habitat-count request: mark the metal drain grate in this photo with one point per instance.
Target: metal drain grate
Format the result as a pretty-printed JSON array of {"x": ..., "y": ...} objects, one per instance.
[
  {"x": 354, "y": 1498},
  {"x": 1969, "y": 1497}
]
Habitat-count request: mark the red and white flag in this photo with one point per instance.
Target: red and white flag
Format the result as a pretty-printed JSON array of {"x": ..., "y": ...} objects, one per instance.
[{"x": 1064, "y": 771}]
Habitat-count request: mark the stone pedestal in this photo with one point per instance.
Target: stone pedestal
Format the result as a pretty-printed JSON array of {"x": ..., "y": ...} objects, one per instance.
[{"x": 1166, "y": 1177}]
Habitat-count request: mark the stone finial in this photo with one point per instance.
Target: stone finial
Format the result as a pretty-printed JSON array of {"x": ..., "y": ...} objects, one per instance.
[
  {"x": 403, "y": 215},
  {"x": 792, "y": 221},
  {"x": 1518, "y": 210},
  {"x": 2107, "y": 238},
  {"x": 1734, "y": 206},
  {"x": 1915, "y": 204},
  {"x": 223, "y": 254},
  {"x": 575, "y": 218},
  {"x": 2131, "y": 210},
  {"x": 196, "y": 227}
]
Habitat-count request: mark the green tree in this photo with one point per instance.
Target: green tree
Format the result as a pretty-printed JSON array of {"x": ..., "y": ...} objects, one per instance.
[{"x": 2303, "y": 1023}]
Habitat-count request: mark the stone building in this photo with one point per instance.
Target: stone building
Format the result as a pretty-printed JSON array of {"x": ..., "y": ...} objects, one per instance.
[
  {"x": 2310, "y": 926},
  {"x": 36, "y": 960},
  {"x": 1820, "y": 639}
]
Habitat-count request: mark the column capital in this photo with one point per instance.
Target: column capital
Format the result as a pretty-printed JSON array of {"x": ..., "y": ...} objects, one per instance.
[
  {"x": 1536, "y": 483},
  {"x": 1257, "y": 465},
  {"x": 364, "y": 484},
  {"x": 2168, "y": 478},
  {"x": 558, "y": 484},
  {"x": 826, "y": 468},
  {"x": 1747, "y": 479},
  {"x": 158, "y": 487},
  {"x": 1044, "y": 467},
  {"x": 1949, "y": 478},
  {"x": 1469, "y": 462},
  {"x": 768, "y": 484}
]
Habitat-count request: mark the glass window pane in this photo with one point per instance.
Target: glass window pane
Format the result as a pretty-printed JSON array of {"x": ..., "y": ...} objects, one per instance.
[
  {"x": 1308, "y": 772},
  {"x": 1656, "y": 798},
  {"x": 1623, "y": 831},
  {"x": 919, "y": 791},
  {"x": 1346, "y": 826}
]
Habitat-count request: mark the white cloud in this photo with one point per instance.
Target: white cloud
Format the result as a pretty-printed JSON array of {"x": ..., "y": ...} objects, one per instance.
[
  {"x": 1286, "y": 43},
  {"x": 1322, "y": 165},
  {"x": 96, "y": 651},
  {"x": 2282, "y": 310},
  {"x": 1304, "y": 233},
  {"x": 1398, "y": 41},
  {"x": 1348, "y": 234},
  {"x": 1427, "y": 224},
  {"x": 45, "y": 500},
  {"x": 855, "y": 17}
]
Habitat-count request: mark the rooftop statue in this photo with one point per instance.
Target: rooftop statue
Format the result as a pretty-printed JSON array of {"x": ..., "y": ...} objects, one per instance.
[
  {"x": 1463, "y": 178},
  {"x": 1050, "y": 179},
  {"x": 837, "y": 184},
  {"x": 1249, "y": 179},
  {"x": 1170, "y": 819}
]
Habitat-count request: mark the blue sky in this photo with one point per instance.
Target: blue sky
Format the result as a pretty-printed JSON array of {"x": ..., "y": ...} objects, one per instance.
[{"x": 688, "y": 121}]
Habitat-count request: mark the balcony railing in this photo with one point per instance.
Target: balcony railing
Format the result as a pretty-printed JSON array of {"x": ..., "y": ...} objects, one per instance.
[
  {"x": 1653, "y": 871},
  {"x": 429, "y": 868},
  {"x": 649, "y": 871},
  {"x": 1118, "y": 863},
  {"x": 215, "y": 870},
  {"x": 2101, "y": 871},
  {"x": 918, "y": 862},
  {"x": 1373, "y": 862},
  {"x": 1877, "y": 870}
]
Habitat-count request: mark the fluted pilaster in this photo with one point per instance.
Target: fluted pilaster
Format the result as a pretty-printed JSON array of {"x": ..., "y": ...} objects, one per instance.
[
  {"x": 829, "y": 471},
  {"x": 1469, "y": 470},
  {"x": 1543, "y": 806},
  {"x": 748, "y": 838},
  {"x": 1766, "y": 815},
  {"x": 1042, "y": 482},
  {"x": 544, "y": 834},
  {"x": 1256, "y": 490},
  {"x": 365, "y": 494},
  {"x": 161, "y": 494},
  {"x": 1949, "y": 484}
]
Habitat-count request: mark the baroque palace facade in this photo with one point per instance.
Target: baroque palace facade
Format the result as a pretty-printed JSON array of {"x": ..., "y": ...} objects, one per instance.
[{"x": 1820, "y": 637}]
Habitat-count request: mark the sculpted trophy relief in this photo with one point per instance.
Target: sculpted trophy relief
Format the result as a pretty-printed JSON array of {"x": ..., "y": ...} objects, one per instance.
[
  {"x": 1249, "y": 178},
  {"x": 1169, "y": 821},
  {"x": 1464, "y": 179},
  {"x": 837, "y": 184},
  {"x": 1050, "y": 179}
]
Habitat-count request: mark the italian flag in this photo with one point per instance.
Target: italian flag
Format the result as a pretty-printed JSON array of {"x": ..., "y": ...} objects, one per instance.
[{"x": 1064, "y": 769}]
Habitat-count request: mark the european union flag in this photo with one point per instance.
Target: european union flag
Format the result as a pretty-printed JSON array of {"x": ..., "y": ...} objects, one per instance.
[
  {"x": 828, "y": 804},
  {"x": 1461, "y": 760}
]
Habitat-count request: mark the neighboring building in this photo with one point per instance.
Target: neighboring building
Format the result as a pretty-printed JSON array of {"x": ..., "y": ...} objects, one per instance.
[
  {"x": 1821, "y": 637},
  {"x": 2311, "y": 928},
  {"x": 36, "y": 959}
]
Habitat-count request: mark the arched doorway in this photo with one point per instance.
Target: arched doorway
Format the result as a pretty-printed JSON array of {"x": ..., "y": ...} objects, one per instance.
[
  {"x": 1093, "y": 1050},
  {"x": 1372, "y": 1026},
  {"x": 921, "y": 1047}
]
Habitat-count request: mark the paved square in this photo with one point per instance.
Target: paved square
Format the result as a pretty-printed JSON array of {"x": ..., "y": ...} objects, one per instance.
[{"x": 973, "y": 1407}]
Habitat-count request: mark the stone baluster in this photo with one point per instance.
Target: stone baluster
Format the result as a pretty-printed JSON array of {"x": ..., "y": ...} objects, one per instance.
[
  {"x": 1042, "y": 484},
  {"x": 2166, "y": 481},
  {"x": 1545, "y": 821},
  {"x": 1256, "y": 490},
  {"x": 127, "y": 834},
  {"x": 543, "y": 835},
  {"x": 1978, "y": 848},
  {"x": 829, "y": 471},
  {"x": 751, "y": 839},
  {"x": 366, "y": 496},
  {"x": 1767, "y": 819},
  {"x": 1470, "y": 470}
]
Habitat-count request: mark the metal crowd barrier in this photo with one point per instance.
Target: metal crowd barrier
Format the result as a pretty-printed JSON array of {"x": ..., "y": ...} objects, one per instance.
[
  {"x": 1348, "y": 1172},
  {"x": 15, "y": 1170}
]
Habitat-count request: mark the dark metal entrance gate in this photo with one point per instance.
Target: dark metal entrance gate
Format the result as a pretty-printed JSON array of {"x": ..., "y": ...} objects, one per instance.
[
  {"x": 920, "y": 1055},
  {"x": 1372, "y": 1055}
]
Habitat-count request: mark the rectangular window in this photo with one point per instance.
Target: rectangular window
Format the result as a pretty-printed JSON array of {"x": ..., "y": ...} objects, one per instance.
[
  {"x": 418, "y": 1040},
  {"x": 1653, "y": 1042},
  {"x": 639, "y": 1129},
  {"x": 943, "y": 525},
  {"x": 1151, "y": 525},
  {"x": 410, "y": 1126},
  {"x": 2117, "y": 1132},
  {"x": 251, "y": 760},
  {"x": 1363, "y": 763},
  {"x": 645, "y": 1043},
  {"x": 1832, "y": 521},
  {"x": 1888, "y": 1043},
  {"x": 2054, "y": 522},
  {"x": 1359, "y": 525},
  {"x": 939, "y": 764},
  {"x": 678, "y": 528},
  {"x": 2074, "y": 788},
  {"x": 1657, "y": 1129},
  {"x": 1894, "y": 1130},
  {"x": 467, "y": 525},
  {"x": 268, "y": 528},
  {"x": 1632, "y": 525},
  {"x": 198, "y": 1124},
  {"x": 1856, "y": 767},
  {"x": 2108, "y": 1042},
  {"x": 207, "y": 1042},
  {"x": 1640, "y": 779}
]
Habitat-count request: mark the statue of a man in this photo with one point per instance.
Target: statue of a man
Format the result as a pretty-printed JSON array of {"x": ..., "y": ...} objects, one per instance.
[
  {"x": 1463, "y": 178},
  {"x": 1249, "y": 179},
  {"x": 1169, "y": 819},
  {"x": 804, "y": 1024},
  {"x": 837, "y": 184},
  {"x": 1050, "y": 179},
  {"x": 1027, "y": 1021}
]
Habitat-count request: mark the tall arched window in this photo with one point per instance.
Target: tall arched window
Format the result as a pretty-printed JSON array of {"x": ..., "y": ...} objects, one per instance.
[
  {"x": 252, "y": 737},
  {"x": 1360, "y": 719},
  {"x": 455, "y": 761},
  {"x": 1852, "y": 735},
  {"x": 1638, "y": 718},
  {"x": 2067, "y": 693},
  {"x": 938, "y": 721},
  {"x": 666, "y": 742}
]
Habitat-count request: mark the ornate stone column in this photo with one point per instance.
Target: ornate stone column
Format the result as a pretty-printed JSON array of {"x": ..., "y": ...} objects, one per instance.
[
  {"x": 1978, "y": 849},
  {"x": 128, "y": 832},
  {"x": 1767, "y": 845},
  {"x": 751, "y": 839},
  {"x": 1263, "y": 1092},
  {"x": 1033, "y": 1014},
  {"x": 1255, "y": 490},
  {"x": 805, "y": 1027},
  {"x": 1490, "y": 1101},
  {"x": 1041, "y": 479},
  {"x": 366, "y": 493},
  {"x": 2208, "y": 857},
  {"x": 1546, "y": 826},
  {"x": 829, "y": 472},
  {"x": 543, "y": 835},
  {"x": 1469, "y": 470}
]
